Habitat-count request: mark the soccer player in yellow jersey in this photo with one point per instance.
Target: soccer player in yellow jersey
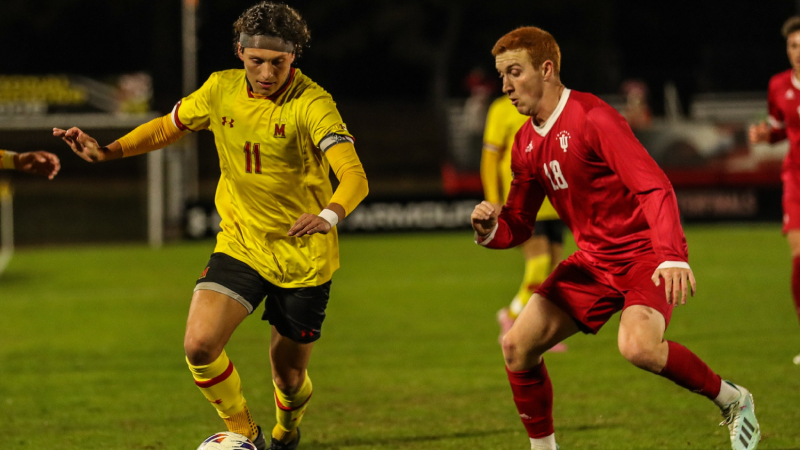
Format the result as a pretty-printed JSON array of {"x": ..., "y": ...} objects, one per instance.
[
  {"x": 543, "y": 251},
  {"x": 36, "y": 163},
  {"x": 278, "y": 134}
]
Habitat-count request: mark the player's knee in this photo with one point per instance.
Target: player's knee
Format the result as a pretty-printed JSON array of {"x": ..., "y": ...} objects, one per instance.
[
  {"x": 289, "y": 382},
  {"x": 517, "y": 356},
  {"x": 640, "y": 354},
  {"x": 200, "y": 352}
]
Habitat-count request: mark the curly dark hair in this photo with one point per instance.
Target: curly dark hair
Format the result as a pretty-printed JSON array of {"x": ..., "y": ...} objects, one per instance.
[{"x": 276, "y": 19}]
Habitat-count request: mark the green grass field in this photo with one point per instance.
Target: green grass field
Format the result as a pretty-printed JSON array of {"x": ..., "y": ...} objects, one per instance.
[{"x": 91, "y": 351}]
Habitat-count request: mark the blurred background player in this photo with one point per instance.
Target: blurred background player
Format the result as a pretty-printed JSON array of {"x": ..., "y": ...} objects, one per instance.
[
  {"x": 544, "y": 250},
  {"x": 36, "y": 163},
  {"x": 581, "y": 153},
  {"x": 278, "y": 134},
  {"x": 783, "y": 104}
]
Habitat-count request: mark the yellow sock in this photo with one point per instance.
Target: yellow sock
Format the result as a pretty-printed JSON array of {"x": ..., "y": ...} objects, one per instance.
[
  {"x": 220, "y": 383},
  {"x": 289, "y": 410},
  {"x": 536, "y": 271}
]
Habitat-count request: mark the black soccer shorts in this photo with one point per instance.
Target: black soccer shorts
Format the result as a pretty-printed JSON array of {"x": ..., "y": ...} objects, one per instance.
[
  {"x": 297, "y": 313},
  {"x": 552, "y": 229}
]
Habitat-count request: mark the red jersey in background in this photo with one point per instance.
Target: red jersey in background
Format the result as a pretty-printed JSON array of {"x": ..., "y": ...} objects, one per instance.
[{"x": 783, "y": 103}]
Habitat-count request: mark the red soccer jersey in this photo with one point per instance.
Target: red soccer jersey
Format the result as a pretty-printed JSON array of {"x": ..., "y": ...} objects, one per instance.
[
  {"x": 783, "y": 103},
  {"x": 605, "y": 186}
]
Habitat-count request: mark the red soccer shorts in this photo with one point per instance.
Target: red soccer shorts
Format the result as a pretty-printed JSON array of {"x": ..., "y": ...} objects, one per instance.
[
  {"x": 791, "y": 198},
  {"x": 592, "y": 292}
]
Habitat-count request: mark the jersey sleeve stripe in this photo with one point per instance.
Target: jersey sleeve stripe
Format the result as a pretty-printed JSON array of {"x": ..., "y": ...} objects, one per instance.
[
  {"x": 332, "y": 139},
  {"x": 176, "y": 120},
  {"x": 491, "y": 147},
  {"x": 775, "y": 123}
]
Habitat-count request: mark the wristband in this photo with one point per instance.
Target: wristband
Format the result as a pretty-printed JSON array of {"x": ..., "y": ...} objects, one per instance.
[
  {"x": 7, "y": 161},
  {"x": 673, "y": 264},
  {"x": 330, "y": 216}
]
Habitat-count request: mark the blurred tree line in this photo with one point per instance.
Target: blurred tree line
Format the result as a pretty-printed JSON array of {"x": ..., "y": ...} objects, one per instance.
[{"x": 413, "y": 50}]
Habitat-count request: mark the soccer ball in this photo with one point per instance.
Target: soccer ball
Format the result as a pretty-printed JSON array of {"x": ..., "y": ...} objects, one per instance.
[{"x": 227, "y": 441}]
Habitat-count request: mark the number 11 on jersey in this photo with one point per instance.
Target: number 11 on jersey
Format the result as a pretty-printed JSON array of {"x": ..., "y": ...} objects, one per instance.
[
  {"x": 252, "y": 152},
  {"x": 560, "y": 182}
]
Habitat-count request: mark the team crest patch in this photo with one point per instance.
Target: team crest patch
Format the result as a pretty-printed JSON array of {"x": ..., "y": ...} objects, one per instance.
[
  {"x": 563, "y": 139},
  {"x": 529, "y": 147},
  {"x": 280, "y": 130}
]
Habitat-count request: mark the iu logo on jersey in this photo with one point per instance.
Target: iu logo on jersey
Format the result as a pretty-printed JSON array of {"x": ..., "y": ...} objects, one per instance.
[
  {"x": 280, "y": 130},
  {"x": 563, "y": 139},
  {"x": 225, "y": 121}
]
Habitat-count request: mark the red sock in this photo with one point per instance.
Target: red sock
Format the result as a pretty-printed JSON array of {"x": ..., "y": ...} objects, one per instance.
[
  {"x": 796, "y": 284},
  {"x": 685, "y": 369},
  {"x": 533, "y": 394}
]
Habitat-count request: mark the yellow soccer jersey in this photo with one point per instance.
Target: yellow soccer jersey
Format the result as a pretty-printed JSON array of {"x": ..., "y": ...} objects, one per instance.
[
  {"x": 502, "y": 123},
  {"x": 271, "y": 153}
]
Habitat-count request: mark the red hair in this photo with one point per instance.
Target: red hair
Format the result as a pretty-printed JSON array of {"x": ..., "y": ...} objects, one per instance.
[{"x": 540, "y": 45}]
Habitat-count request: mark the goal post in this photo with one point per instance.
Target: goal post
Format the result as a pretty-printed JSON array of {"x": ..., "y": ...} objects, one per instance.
[
  {"x": 156, "y": 161},
  {"x": 6, "y": 224}
]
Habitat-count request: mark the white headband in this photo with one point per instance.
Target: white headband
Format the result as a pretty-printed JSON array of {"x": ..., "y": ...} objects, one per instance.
[{"x": 266, "y": 42}]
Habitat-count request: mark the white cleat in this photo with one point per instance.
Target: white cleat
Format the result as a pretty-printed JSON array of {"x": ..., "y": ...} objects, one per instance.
[{"x": 741, "y": 420}]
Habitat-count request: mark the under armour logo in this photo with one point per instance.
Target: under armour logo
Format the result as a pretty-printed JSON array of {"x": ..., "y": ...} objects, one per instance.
[
  {"x": 225, "y": 122},
  {"x": 563, "y": 139}
]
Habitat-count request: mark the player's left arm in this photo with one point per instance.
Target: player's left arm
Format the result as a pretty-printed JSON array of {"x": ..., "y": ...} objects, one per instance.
[
  {"x": 327, "y": 129},
  {"x": 612, "y": 138},
  {"x": 36, "y": 163},
  {"x": 493, "y": 149}
]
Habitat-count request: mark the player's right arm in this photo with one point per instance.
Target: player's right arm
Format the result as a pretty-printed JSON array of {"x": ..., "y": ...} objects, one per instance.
[
  {"x": 512, "y": 225},
  {"x": 190, "y": 114},
  {"x": 775, "y": 129},
  {"x": 153, "y": 135}
]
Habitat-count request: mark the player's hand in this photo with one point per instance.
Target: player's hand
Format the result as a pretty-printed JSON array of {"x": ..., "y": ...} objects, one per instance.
[
  {"x": 484, "y": 218},
  {"x": 676, "y": 283},
  {"x": 309, "y": 224},
  {"x": 759, "y": 133},
  {"x": 82, "y": 144},
  {"x": 38, "y": 163}
]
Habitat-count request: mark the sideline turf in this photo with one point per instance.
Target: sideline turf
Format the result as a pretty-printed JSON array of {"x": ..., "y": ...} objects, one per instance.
[{"x": 91, "y": 351}]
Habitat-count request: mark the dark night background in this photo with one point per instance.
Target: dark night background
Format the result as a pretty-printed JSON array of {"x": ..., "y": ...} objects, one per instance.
[
  {"x": 390, "y": 65},
  {"x": 384, "y": 50}
]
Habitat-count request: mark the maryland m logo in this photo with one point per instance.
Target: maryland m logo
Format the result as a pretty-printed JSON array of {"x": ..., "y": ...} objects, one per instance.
[{"x": 280, "y": 130}]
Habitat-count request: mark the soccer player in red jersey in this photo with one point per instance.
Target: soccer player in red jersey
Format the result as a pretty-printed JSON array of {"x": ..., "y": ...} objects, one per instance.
[
  {"x": 784, "y": 122},
  {"x": 581, "y": 154}
]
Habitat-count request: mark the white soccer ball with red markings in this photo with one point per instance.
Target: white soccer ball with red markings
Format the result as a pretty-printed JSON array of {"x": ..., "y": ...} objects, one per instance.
[{"x": 227, "y": 441}]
